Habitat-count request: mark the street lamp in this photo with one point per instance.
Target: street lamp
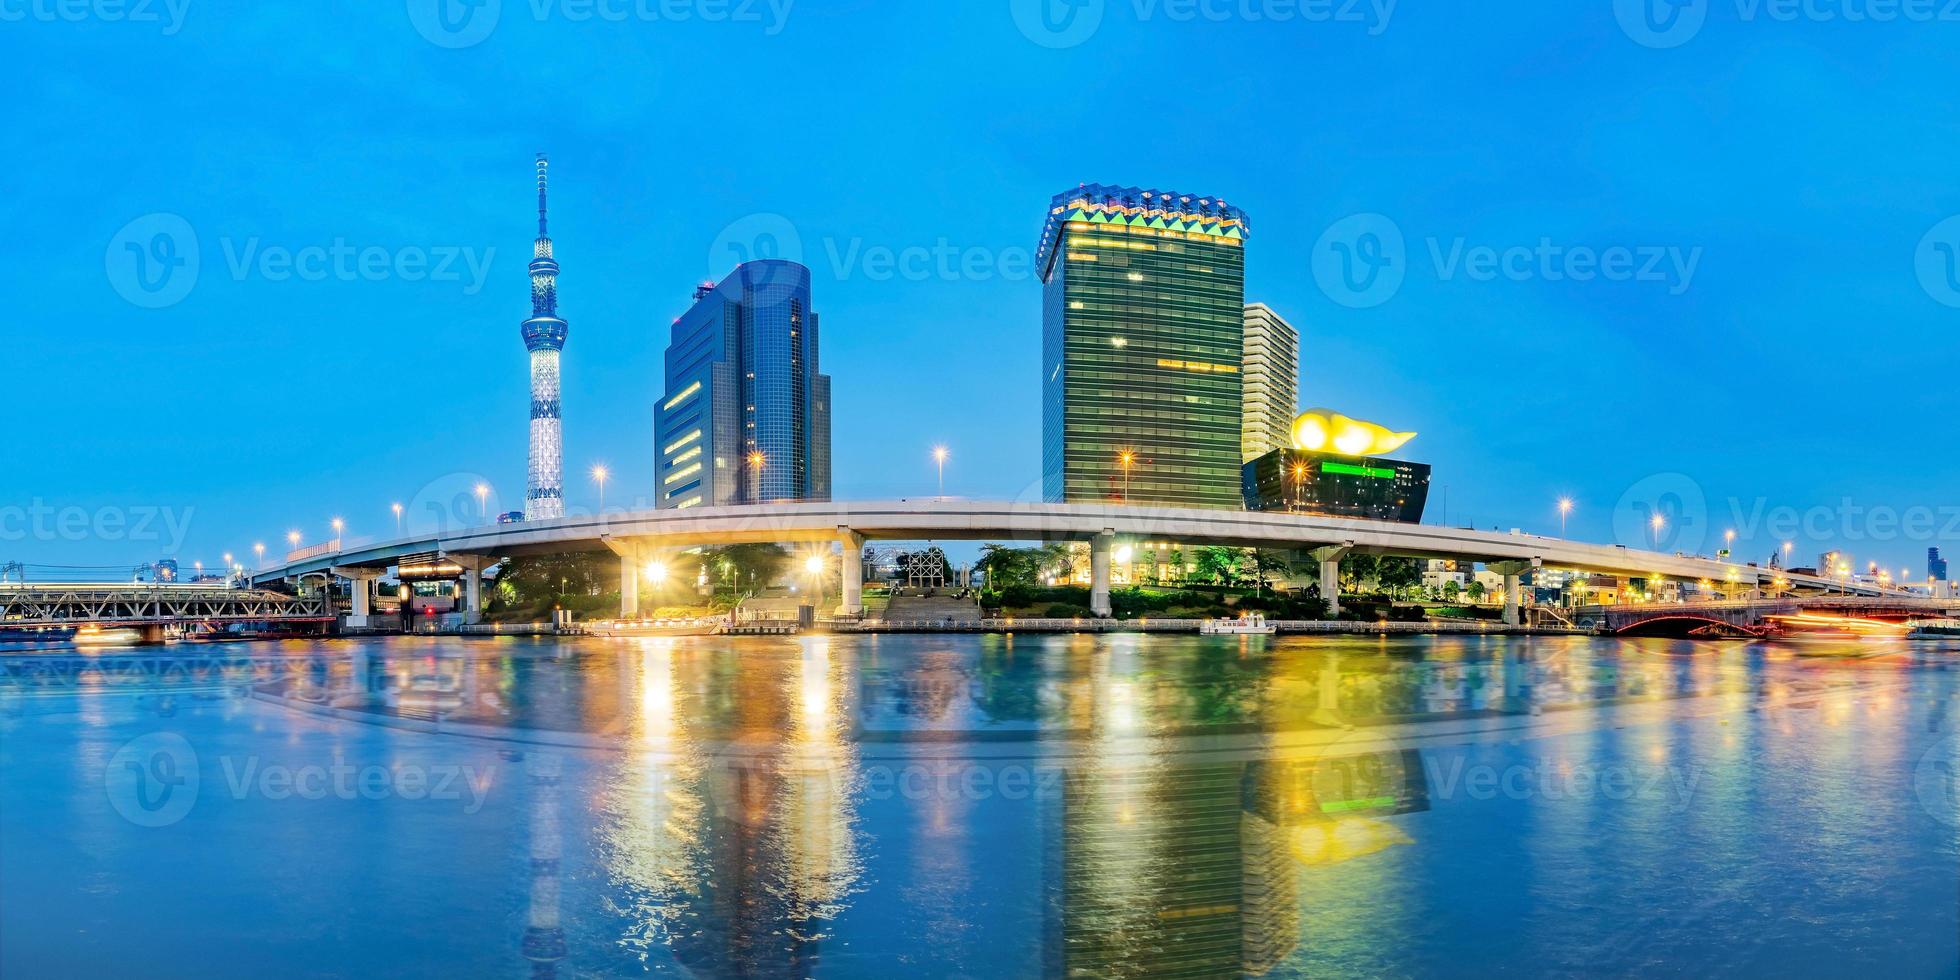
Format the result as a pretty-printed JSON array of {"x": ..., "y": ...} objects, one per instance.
[
  {"x": 258, "y": 555},
  {"x": 1564, "y": 511},
  {"x": 292, "y": 538},
  {"x": 756, "y": 462},
  {"x": 656, "y": 572},
  {"x": 482, "y": 505},
  {"x": 337, "y": 525},
  {"x": 1657, "y": 523},
  {"x": 939, "y": 456},
  {"x": 1299, "y": 482},
  {"x": 1728, "y": 542},
  {"x": 1128, "y": 460},
  {"x": 397, "y": 508},
  {"x": 813, "y": 565},
  {"x": 599, "y": 475}
]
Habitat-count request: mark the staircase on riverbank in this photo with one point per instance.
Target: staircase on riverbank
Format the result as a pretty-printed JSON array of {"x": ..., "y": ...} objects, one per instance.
[{"x": 928, "y": 608}]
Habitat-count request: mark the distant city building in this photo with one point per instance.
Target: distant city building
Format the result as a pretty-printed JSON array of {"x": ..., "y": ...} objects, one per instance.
[
  {"x": 544, "y": 337},
  {"x": 1337, "y": 486},
  {"x": 1935, "y": 565},
  {"x": 1335, "y": 467},
  {"x": 1272, "y": 382},
  {"x": 745, "y": 417},
  {"x": 1143, "y": 337}
]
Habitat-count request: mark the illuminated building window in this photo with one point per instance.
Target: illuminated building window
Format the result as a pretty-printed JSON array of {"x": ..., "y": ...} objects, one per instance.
[
  {"x": 682, "y": 441},
  {"x": 686, "y": 393},
  {"x": 683, "y": 474}
]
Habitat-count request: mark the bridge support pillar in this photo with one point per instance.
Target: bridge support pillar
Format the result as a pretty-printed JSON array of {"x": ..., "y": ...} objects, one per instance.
[
  {"x": 1513, "y": 590},
  {"x": 851, "y": 603},
  {"x": 1099, "y": 548},
  {"x": 1330, "y": 575},
  {"x": 473, "y": 566},
  {"x": 360, "y": 582},
  {"x": 632, "y": 559},
  {"x": 629, "y": 587}
]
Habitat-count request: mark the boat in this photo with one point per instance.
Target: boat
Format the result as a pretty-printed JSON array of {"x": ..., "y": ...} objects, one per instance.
[
  {"x": 659, "y": 627},
  {"x": 1250, "y": 624},
  {"x": 96, "y": 636}
]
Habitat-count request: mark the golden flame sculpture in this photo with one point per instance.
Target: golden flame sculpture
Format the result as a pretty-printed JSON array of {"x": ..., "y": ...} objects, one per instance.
[{"x": 1321, "y": 430}]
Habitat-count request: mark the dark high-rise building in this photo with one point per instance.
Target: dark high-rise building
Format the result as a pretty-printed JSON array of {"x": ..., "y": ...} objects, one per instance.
[
  {"x": 1337, "y": 486},
  {"x": 1935, "y": 565},
  {"x": 1143, "y": 335},
  {"x": 746, "y": 413}
]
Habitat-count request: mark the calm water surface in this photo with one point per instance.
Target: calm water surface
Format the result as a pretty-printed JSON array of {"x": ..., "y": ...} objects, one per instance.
[{"x": 980, "y": 806}]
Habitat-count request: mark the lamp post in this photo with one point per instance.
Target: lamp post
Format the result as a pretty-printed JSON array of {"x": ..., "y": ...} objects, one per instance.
[
  {"x": 1564, "y": 512},
  {"x": 814, "y": 566},
  {"x": 397, "y": 508},
  {"x": 337, "y": 526},
  {"x": 1299, "y": 483},
  {"x": 482, "y": 503},
  {"x": 1127, "y": 460},
  {"x": 1657, "y": 523},
  {"x": 1728, "y": 542},
  {"x": 939, "y": 457},
  {"x": 258, "y": 555},
  {"x": 292, "y": 538},
  {"x": 756, "y": 462},
  {"x": 599, "y": 475}
]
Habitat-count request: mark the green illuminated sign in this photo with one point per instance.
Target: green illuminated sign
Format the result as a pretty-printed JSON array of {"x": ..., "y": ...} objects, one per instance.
[{"x": 1350, "y": 469}]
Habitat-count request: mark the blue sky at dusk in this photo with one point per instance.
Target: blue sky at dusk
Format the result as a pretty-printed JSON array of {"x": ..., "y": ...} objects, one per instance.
[{"x": 1803, "y": 169}]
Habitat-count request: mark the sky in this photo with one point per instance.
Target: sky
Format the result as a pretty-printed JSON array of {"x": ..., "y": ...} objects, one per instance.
[{"x": 267, "y": 262}]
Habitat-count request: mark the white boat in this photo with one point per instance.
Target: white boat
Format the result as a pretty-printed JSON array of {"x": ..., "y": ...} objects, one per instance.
[
  {"x": 1250, "y": 624},
  {"x": 96, "y": 636}
]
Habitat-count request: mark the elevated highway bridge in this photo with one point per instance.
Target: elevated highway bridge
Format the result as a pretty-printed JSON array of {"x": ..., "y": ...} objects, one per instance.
[{"x": 639, "y": 537}]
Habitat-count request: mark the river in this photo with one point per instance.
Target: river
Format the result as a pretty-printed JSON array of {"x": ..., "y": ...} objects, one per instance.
[{"x": 983, "y": 806}]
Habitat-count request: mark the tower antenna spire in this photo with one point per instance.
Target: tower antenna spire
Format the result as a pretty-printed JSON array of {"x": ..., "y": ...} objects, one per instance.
[
  {"x": 543, "y": 164},
  {"x": 544, "y": 338}
]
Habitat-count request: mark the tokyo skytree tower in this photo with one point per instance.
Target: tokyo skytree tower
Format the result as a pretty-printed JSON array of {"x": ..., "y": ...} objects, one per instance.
[{"x": 544, "y": 337}]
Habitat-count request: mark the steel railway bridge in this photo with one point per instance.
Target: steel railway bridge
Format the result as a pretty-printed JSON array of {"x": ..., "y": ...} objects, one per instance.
[{"x": 152, "y": 608}]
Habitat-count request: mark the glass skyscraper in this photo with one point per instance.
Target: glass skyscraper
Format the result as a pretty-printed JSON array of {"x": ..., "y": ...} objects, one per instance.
[
  {"x": 745, "y": 417},
  {"x": 1143, "y": 335}
]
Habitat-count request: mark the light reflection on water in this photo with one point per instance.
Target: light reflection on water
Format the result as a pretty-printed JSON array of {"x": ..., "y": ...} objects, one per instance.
[{"x": 1072, "y": 805}]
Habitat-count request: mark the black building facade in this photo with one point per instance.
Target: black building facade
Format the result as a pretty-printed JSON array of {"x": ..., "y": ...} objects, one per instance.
[{"x": 1337, "y": 486}]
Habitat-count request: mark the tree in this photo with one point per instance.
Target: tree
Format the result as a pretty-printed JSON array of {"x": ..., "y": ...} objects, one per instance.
[
  {"x": 1476, "y": 591},
  {"x": 1266, "y": 565},
  {"x": 1451, "y": 590},
  {"x": 1398, "y": 574},
  {"x": 1008, "y": 568},
  {"x": 1218, "y": 565},
  {"x": 746, "y": 566},
  {"x": 1357, "y": 569},
  {"x": 538, "y": 581}
]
